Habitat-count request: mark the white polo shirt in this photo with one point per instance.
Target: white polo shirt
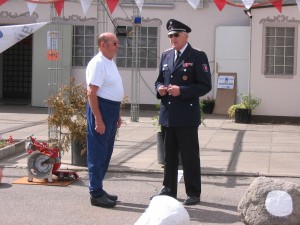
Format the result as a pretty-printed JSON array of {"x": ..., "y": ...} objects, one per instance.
[{"x": 104, "y": 73}]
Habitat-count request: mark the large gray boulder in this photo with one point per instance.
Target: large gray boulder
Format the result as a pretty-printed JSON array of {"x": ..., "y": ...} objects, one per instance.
[{"x": 270, "y": 202}]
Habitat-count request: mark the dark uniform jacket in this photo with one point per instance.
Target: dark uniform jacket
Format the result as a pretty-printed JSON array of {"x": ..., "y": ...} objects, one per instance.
[{"x": 192, "y": 74}]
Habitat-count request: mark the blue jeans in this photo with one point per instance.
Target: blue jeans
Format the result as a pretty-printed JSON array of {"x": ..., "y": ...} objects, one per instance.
[{"x": 100, "y": 147}]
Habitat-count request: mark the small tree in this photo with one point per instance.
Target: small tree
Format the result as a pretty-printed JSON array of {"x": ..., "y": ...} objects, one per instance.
[{"x": 68, "y": 115}]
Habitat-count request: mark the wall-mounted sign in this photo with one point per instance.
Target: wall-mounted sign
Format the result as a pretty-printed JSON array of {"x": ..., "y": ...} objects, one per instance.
[
  {"x": 226, "y": 82},
  {"x": 52, "y": 40},
  {"x": 52, "y": 55}
]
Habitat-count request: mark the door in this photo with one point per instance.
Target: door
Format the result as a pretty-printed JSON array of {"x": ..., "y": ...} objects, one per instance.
[
  {"x": 41, "y": 75},
  {"x": 232, "y": 54},
  {"x": 16, "y": 72}
]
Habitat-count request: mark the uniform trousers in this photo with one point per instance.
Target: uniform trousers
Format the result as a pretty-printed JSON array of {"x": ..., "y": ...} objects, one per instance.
[
  {"x": 100, "y": 147},
  {"x": 183, "y": 141}
]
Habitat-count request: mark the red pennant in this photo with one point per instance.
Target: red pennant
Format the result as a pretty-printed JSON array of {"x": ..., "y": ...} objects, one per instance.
[
  {"x": 278, "y": 5},
  {"x": 220, "y": 4},
  {"x": 59, "y": 6},
  {"x": 2, "y": 1},
  {"x": 112, "y": 5}
]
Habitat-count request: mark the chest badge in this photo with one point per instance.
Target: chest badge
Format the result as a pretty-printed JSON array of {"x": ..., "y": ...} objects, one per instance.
[{"x": 184, "y": 77}]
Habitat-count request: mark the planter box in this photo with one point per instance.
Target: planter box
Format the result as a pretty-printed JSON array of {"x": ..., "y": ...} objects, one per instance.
[
  {"x": 13, "y": 149},
  {"x": 242, "y": 116},
  {"x": 77, "y": 159},
  {"x": 208, "y": 107},
  {"x": 161, "y": 150}
]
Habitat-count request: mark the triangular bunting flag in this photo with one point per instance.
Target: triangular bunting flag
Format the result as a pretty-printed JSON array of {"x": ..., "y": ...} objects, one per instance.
[
  {"x": 112, "y": 5},
  {"x": 2, "y": 1},
  {"x": 59, "y": 6},
  {"x": 248, "y": 3},
  {"x": 140, "y": 4},
  {"x": 298, "y": 4},
  {"x": 194, "y": 3},
  {"x": 220, "y": 4},
  {"x": 85, "y": 4},
  {"x": 10, "y": 35},
  {"x": 31, "y": 7},
  {"x": 278, "y": 5}
]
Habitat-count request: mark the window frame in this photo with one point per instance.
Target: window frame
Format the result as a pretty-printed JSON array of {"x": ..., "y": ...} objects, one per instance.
[
  {"x": 86, "y": 58},
  {"x": 279, "y": 24},
  {"x": 145, "y": 24}
]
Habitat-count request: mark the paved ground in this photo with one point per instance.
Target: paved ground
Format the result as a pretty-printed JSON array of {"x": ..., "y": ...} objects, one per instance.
[
  {"x": 232, "y": 155},
  {"x": 226, "y": 147}
]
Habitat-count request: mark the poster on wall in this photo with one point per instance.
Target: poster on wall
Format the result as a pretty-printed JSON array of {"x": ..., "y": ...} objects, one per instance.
[
  {"x": 226, "y": 82},
  {"x": 52, "y": 45},
  {"x": 226, "y": 92}
]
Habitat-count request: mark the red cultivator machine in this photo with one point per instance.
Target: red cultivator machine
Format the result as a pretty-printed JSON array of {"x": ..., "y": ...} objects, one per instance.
[{"x": 44, "y": 161}]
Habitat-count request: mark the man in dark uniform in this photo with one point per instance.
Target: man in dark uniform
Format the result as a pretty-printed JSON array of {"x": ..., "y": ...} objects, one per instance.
[{"x": 183, "y": 77}]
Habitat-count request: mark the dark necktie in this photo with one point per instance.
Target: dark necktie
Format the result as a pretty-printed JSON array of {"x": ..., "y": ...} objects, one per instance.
[{"x": 177, "y": 56}]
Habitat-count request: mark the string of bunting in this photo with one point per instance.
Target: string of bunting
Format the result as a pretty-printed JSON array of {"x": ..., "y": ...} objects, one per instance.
[{"x": 112, "y": 4}]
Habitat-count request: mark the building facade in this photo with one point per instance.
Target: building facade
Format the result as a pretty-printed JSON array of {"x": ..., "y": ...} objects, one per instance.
[{"x": 78, "y": 46}]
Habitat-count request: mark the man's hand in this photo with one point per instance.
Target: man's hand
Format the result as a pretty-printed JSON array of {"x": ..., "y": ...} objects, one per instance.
[
  {"x": 173, "y": 90},
  {"x": 99, "y": 126},
  {"x": 162, "y": 90}
]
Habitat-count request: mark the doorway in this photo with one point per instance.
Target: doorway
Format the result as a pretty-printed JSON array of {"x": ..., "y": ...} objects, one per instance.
[
  {"x": 17, "y": 73},
  {"x": 232, "y": 55}
]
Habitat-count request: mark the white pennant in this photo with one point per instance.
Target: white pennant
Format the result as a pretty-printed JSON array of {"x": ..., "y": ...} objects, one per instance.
[
  {"x": 194, "y": 3},
  {"x": 31, "y": 7},
  {"x": 140, "y": 4},
  {"x": 298, "y": 4},
  {"x": 10, "y": 35},
  {"x": 248, "y": 3},
  {"x": 85, "y": 4}
]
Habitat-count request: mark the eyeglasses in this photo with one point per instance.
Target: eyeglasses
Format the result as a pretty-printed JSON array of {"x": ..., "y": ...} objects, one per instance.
[
  {"x": 173, "y": 35},
  {"x": 115, "y": 43}
]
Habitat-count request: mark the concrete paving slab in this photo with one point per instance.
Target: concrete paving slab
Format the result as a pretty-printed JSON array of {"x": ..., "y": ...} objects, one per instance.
[{"x": 225, "y": 145}]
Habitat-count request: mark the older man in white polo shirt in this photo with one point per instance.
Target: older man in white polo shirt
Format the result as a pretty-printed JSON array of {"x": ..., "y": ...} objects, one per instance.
[{"x": 105, "y": 93}]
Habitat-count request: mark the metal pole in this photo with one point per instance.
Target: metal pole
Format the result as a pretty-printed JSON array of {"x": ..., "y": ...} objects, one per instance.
[
  {"x": 55, "y": 37},
  {"x": 135, "y": 77}
]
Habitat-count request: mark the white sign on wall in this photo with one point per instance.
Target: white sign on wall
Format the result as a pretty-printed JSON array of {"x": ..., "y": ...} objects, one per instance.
[{"x": 226, "y": 82}]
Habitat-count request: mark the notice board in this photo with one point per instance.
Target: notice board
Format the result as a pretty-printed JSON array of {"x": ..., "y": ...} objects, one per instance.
[{"x": 226, "y": 92}]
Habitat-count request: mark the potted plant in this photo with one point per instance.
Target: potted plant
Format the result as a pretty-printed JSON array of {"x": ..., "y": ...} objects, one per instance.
[
  {"x": 207, "y": 105},
  {"x": 159, "y": 136},
  {"x": 68, "y": 116},
  {"x": 242, "y": 112}
]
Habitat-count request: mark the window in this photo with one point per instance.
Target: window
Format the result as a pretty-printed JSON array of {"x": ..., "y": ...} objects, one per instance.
[
  {"x": 147, "y": 47},
  {"x": 280, "y": 50},
  {"x": 83, "y": 45}
]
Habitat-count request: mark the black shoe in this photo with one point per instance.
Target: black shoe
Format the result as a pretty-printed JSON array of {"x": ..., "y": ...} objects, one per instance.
[
  {"x": 191, "y": 200},
  {"x": 111, "y": 197},
  {"x": 164, "y": 191},
  {"x": 103, "y": 201}
]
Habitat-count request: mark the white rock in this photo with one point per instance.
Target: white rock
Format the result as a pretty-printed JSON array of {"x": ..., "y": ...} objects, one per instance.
[{"x": 164, "y": 210}]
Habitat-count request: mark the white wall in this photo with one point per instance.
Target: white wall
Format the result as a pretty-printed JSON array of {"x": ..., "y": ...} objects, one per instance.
[
  {"x": 202, "y": 21},
  {"x": 280, "y": 96}
]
